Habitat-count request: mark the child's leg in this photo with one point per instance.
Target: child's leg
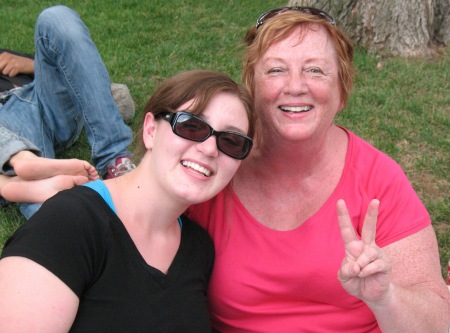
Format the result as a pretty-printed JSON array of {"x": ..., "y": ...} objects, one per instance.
[{"x": 70, "y": 64}]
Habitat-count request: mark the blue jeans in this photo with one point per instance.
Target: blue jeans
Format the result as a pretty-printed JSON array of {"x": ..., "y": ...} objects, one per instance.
[{"x": 71, "y": 91}]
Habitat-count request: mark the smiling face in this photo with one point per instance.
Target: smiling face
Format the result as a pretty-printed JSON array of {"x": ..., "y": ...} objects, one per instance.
[
  {"x": 195, "y": 171},
  {"x": 297, "y": 89}
]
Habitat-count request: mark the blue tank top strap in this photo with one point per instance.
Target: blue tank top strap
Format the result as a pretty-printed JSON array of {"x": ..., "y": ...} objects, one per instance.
[{"x": 101, "y": 189}]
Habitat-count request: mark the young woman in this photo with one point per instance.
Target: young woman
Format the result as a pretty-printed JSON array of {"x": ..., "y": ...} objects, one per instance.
[{"x": 118, "y": 255}]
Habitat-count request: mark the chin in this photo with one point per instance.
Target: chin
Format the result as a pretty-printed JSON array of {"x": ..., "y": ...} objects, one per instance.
[
  {"x": 195, "y": 193},
  {"x": 193, "y": 197}
]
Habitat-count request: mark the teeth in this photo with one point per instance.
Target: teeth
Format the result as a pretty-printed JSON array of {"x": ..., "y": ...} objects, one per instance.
[
  {"x": 196, "y": 167},
  {"x": 295, "y": 108}
]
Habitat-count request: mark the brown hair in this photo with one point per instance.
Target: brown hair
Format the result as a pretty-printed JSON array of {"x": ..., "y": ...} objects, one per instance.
[
  {"x": 278, "y": 28},
  {"x": 197, "y": 85}
]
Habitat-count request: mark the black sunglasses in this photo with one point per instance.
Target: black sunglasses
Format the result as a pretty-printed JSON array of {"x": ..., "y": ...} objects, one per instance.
[
  {"x": 191, "y": 127},
  {"x": 307, "y": 10}
]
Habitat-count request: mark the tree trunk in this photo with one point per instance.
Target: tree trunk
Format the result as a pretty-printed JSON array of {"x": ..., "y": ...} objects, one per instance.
[
  {"x": 441, "y": 26},
  {"x": 390, "y": 27}
]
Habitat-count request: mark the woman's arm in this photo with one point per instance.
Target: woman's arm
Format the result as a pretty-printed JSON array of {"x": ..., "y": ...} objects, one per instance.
[
  {"x": 419, "y": 300},
  {"x": 33, "y": 299},
  {"x": 401, "y": 283}
]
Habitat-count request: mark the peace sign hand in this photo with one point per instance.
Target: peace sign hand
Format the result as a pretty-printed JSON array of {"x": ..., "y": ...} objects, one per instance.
[{"x": 365, "y": 271}]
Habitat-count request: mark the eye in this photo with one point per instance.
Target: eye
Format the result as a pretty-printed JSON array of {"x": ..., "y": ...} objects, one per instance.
[
  {"x": 315, "y": 70},
  {"x": 275, "y": 70},
  {"x": 188, "y": 125},
  {"x": 192, "y": 128},
  {"x": 231, "y": 140}
]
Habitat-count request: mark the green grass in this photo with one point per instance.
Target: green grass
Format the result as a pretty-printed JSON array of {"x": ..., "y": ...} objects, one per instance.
[{"x": 402, "y": 108}]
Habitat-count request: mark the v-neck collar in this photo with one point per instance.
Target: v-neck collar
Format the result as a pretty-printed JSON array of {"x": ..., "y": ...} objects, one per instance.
[{"x": 178, "y": 263}]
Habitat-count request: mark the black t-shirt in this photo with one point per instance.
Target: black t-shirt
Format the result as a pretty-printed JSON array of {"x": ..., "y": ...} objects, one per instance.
[{"x": 78, "y": 237}]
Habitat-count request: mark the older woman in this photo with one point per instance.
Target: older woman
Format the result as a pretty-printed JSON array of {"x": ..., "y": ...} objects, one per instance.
[{"x": 289, "y": 256}]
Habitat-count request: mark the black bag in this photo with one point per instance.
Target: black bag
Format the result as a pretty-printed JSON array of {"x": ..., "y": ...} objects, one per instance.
[{"x": 7, "y": 83}]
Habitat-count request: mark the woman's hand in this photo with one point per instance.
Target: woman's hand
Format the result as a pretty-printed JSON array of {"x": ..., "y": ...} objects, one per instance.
[{"x": 366, "y": 270}]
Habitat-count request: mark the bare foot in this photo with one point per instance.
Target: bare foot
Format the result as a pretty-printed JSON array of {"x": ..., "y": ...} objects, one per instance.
[
  {"x": 37, "y": 191},
  {"x": 5, "y": 180},
  {"x": 28, "y": 166}
]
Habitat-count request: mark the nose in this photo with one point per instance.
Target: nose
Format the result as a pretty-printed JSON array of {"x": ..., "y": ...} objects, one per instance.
[
  {"x": 296, "y": 84},
  {"x": 208, "y": 147}
]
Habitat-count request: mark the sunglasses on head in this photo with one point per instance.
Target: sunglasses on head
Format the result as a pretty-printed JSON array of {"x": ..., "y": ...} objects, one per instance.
[
  {"x": 307, "y": 10},
  {"x": 191, "y": 127}
]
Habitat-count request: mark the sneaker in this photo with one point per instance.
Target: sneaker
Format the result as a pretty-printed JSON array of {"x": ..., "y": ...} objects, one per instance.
[{"x": 121, "y": 166}]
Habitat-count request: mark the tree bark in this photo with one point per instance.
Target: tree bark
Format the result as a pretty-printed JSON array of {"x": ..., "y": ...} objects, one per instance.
[
  {"x": 390, "y": 27},
  {"x": 441, "y": 26}
]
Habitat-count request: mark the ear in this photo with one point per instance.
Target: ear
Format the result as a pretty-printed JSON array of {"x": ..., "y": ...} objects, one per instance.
[{"x": 149, "y": 130}]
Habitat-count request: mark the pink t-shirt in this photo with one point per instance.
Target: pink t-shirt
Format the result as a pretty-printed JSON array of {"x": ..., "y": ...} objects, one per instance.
[{"x": 286, "y": 281}]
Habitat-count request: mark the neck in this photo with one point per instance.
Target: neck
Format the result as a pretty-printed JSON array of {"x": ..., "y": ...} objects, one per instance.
[
  {"x": 284, "y": 160},
  {"x": 139, "y": 202},
  {"x": 282, "y": 185}
]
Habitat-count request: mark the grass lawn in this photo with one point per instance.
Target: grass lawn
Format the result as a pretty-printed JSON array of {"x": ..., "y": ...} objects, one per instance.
[{"x": 402, "y": 108}]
